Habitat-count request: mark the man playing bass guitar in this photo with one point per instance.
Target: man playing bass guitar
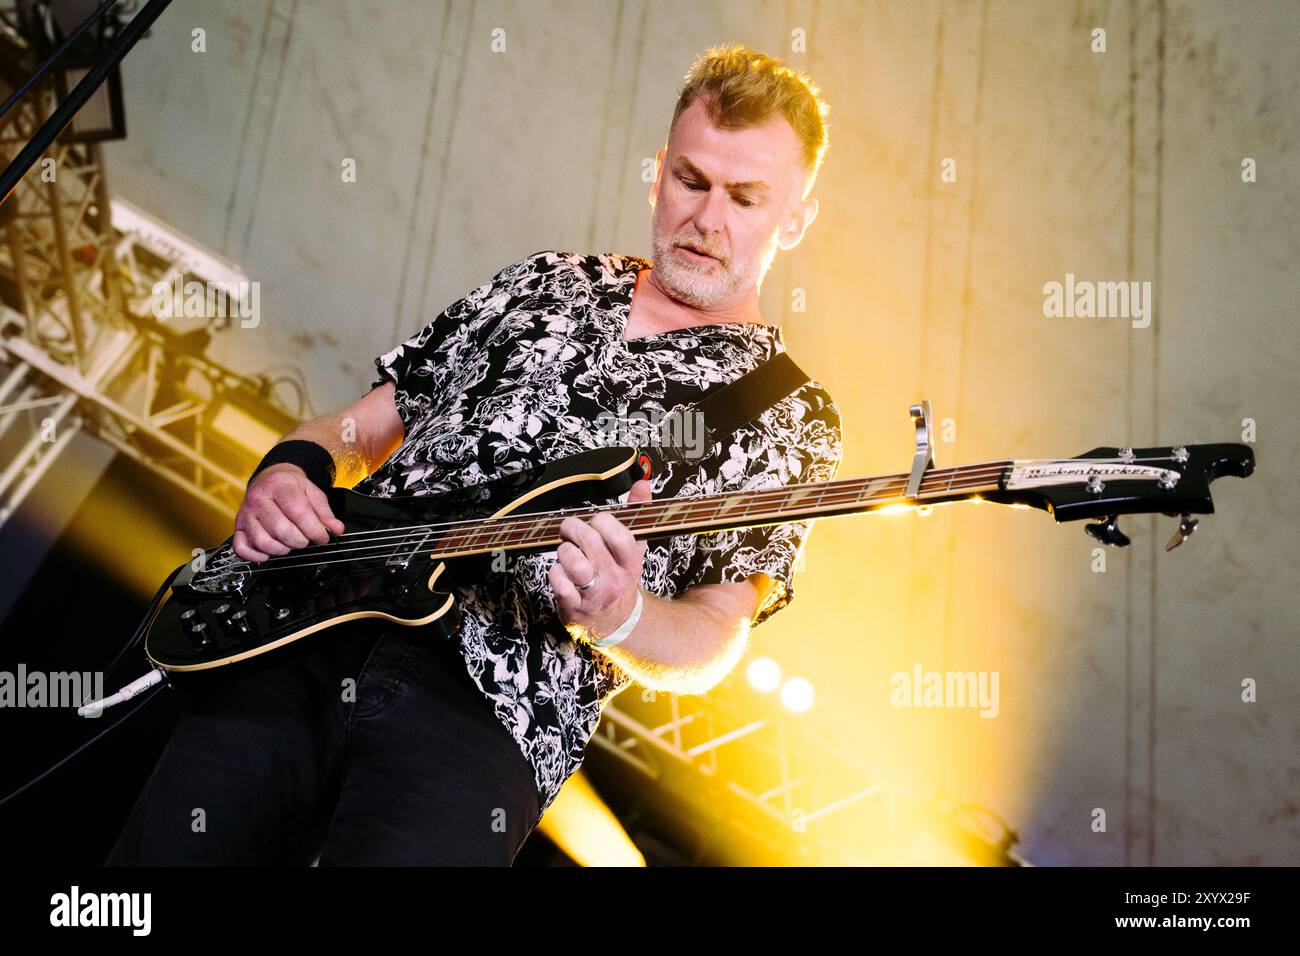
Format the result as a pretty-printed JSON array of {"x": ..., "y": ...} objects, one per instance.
[{"x": 371, "y": 744}]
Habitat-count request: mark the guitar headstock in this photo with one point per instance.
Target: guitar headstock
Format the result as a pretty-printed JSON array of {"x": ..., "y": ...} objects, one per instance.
[{"x": 1108, "y": 482}]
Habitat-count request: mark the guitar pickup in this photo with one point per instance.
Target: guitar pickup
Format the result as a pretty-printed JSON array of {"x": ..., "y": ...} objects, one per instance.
[{"x": 401, "y": 557}]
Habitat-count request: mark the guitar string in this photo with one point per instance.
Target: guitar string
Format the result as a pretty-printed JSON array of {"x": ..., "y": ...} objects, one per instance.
[
  {"x": 934, "y": 472},
  {"x": 387, "y": 554},
  {"x": 401, "y": 532},
  {"x": 288, "y": 561},
  {"x": 693, "y": 507},
  {"x": 509, "y": 527},
  {"x": 703, "y": 507},
  {"x": 939, "y": 474}
]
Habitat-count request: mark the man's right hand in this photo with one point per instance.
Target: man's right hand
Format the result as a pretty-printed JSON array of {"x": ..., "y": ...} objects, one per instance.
[{"x": 282, "y": 511}]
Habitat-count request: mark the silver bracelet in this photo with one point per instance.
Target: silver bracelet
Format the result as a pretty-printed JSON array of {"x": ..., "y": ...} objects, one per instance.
[{"x": 625, "y": 629}]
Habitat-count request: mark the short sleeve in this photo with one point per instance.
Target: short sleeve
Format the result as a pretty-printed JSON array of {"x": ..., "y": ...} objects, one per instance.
[
  {"x": 797, "y": 442},
  {"x": 420, "y": 365}
]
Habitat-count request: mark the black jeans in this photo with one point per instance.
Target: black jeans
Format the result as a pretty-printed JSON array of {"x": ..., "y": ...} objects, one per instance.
[{"x": 366, "y": 743}]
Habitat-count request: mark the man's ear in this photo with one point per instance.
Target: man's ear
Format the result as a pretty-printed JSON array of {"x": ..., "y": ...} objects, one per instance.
[
  {"x": 797, "y": 223},
  {"x": 659, "y": 171}
]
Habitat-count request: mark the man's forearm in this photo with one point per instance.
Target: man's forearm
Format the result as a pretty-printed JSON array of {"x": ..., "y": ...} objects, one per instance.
[
  {"x": 336, "y": 434},
  {"x": 681, "y": 646}
]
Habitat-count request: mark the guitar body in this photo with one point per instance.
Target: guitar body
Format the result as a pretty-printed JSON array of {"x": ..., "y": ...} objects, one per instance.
[{"x": 222, "y": 609}]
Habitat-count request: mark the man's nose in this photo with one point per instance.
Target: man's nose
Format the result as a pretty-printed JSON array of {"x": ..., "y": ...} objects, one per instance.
[{"x": 711, "y": 213}]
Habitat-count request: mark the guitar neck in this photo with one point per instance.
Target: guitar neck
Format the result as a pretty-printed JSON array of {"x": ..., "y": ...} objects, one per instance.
[{"x": 738, "y": 509}]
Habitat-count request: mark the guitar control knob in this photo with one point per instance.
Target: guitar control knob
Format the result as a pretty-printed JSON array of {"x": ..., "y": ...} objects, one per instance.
[
  {"x": 196, "y": 627},
  {"x": 240, "y": 624},
  {"x": 1108, "y": 532}
]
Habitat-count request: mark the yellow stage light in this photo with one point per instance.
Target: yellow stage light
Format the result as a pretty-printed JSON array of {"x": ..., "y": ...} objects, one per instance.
[
  {"x": 764, "y": 674},
  {"x": 797, "y": 695},
  {"x": 581, "y": 825}
]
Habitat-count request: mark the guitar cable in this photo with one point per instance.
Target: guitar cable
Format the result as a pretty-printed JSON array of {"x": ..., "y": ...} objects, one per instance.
[{"x": 133, "y": 689}]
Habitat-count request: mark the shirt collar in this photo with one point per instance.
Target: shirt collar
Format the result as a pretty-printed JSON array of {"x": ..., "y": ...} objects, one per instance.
[{"x": 757, "y": 335}]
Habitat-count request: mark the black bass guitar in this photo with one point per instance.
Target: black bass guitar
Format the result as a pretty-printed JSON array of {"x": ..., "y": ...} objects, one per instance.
[{"x": 399, "y": 556}]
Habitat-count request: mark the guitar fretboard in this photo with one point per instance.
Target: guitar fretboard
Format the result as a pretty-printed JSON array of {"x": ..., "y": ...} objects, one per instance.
[{"x": 740, "y": 509}]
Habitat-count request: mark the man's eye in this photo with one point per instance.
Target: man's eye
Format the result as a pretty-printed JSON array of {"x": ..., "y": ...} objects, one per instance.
[{"x": 694, "y": 186}]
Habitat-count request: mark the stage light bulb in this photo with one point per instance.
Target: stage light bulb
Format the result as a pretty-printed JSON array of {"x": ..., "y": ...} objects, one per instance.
[
  {"x": 764, "y": 674},
  {"x": 797, "y": 695}
]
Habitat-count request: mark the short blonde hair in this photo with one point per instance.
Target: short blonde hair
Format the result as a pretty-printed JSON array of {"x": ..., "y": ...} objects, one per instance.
[{"x": 741, "y": 87}]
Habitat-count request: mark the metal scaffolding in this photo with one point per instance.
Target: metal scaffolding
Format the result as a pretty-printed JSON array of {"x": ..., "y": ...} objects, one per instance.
[
  {"x": 791, "y": 789},
  {"x": 82, "y": 349}
]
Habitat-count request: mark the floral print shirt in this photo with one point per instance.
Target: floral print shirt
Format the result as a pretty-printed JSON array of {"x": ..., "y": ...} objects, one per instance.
[{"x": 528, "y": 368}]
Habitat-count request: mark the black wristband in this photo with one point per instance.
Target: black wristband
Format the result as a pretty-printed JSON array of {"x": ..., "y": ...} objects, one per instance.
[{"x": 312, "y": 458}]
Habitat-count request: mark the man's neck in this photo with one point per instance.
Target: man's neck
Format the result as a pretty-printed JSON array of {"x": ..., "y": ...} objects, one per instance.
[{"x": 654, "y": 310}]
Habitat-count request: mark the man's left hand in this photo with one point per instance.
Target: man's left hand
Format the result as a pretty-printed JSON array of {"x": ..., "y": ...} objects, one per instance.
[{"x": 601, "y": 551}]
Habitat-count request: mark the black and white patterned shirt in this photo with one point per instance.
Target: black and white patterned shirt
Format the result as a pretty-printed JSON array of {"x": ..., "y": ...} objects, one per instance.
[{"x": 520, "y": 371}]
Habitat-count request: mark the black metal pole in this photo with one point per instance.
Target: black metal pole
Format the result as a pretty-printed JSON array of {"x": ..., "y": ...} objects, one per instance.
[
  {"x": 44, "y": 68},
  {"x": 78, "y": 97}
]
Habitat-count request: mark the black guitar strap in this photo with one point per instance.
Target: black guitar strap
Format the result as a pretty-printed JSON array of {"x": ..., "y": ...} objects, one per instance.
[{"x": 728, "y": 407}]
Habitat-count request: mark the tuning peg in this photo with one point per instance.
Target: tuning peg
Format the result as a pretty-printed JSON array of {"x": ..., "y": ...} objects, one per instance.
[
  {"x": 1186, "y": 525},
  {"x": 1108, "y": 533}
]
